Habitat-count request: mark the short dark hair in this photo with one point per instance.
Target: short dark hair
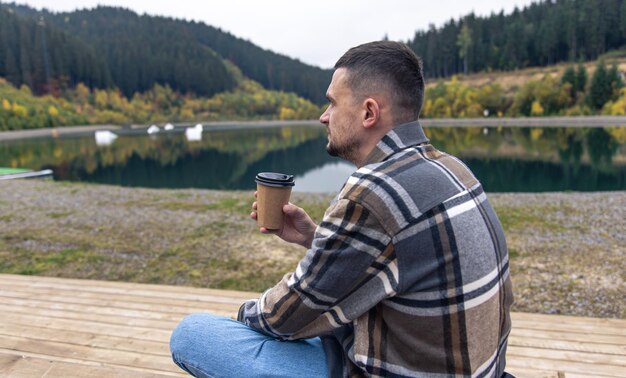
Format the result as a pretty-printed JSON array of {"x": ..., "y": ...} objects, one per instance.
[{"x": 391, "y": 65}]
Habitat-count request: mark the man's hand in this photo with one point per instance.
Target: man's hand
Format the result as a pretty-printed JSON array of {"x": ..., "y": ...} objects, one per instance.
[{"x": 298, "y": 227}]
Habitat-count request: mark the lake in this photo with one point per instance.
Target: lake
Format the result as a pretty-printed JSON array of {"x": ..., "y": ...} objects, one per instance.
[{"x": 505, "y": 159}]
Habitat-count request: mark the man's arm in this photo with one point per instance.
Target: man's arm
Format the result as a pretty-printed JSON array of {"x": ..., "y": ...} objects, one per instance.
[{"x": 349, "y": 268}]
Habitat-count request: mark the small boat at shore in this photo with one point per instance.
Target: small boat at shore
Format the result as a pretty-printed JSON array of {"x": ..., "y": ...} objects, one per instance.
[{"x": 19, "y": 173}]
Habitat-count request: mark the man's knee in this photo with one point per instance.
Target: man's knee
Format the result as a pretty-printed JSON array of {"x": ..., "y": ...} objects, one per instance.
[
  {"x": 206, "y": 345},
  {"x": 191, "y": 339},
  {"x": 181, "y": 333},
  {"x": 189, "y": 335}
]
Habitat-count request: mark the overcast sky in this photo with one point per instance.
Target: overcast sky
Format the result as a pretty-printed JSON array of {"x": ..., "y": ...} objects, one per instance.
[{"x": 317, "y": 32}]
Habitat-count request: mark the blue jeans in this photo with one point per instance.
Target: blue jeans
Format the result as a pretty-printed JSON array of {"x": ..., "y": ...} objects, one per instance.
[{"x": 206, "y": 345}]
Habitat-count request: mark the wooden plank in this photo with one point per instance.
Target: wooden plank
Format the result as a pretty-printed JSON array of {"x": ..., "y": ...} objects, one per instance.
[
  {"x": 16, "y": 366},
  {"x": 83, "y": 353},
  {"x": 64, "y": 370},
  {"x": 545, "y": 318},
  {"x": 71, "y": 325},
  {"x": 81, "y": 308},
  {"x": 567, "y": 355},
  {"x": 126, "y": 295},
  {"x": 104, "y": 319},
  {"x": 568, "y": 368},
  {"x": 577, "y": 375},
  {"x": 517, "y": 358},
  {"x": 118, "y": 301},
  {"x": 86, "y": 338},
  {"x": 111, "y": 286},
  {"x": 576, "y": 346},
  {"x": 532, "y": 373},
  {"x": 569, "y": 324},
  {"x": 195, "y": 296},
  {"x": 572, "y": 328},
  {"x": 590, "y": 339}
]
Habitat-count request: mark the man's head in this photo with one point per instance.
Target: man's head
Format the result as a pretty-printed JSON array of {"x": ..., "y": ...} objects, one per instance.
[
  {"x": 386, "y": 68},
  {"x": 375, "y": 86}
]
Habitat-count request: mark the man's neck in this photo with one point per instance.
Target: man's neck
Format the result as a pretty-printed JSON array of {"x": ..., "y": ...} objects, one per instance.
[
  {"x": 374, "y": 139},
  {"x": 375, "y": 135}
]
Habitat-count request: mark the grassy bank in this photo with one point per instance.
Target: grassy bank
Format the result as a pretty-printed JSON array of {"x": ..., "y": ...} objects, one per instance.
[{"x": 567, "y": 253}]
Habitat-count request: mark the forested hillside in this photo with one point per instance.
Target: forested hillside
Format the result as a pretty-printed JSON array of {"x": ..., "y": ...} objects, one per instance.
[
  {"x": 136, "y": 52},
  {"x": 111, "y": 65},
  {"x": 44, "y": 58},
  {"x": 273, "y": 71},
  {"x": 543, "y": 33},
  {"x": 141, "y": 51},
  {"x": 48, "y": 51}
]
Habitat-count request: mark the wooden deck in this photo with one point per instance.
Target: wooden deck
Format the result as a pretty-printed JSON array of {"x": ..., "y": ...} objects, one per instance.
[{"x": 53, "y": 327}]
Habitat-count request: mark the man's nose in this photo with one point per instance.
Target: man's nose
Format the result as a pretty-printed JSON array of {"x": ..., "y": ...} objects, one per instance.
[{"x": 324, "y": 117}]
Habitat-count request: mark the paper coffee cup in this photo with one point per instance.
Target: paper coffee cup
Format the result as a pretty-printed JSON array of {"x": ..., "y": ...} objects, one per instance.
[{"x": 273, "y": 191}]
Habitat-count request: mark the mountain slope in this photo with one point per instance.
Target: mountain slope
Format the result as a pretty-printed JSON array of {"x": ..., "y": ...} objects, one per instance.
[
  {"x": 141, "y": 50},
  {"x": 543, "y": 33},
  {"x": 272, "y": 70},
  {"x": 44, "y": 57}
]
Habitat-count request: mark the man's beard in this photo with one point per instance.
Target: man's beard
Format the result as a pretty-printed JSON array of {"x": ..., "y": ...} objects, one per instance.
[{"x": 347, "y": 151}]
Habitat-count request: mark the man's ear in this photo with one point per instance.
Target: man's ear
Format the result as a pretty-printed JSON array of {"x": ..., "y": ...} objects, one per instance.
[{"x": 371, "y": 112}]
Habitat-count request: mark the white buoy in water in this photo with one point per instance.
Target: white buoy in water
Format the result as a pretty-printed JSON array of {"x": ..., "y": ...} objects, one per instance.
[
  {"x": 168, "y": 126},
  {"x": 194, "y": 134},
  {"x": 105, "y": 137},
  {"x": 153, "y": 129}
]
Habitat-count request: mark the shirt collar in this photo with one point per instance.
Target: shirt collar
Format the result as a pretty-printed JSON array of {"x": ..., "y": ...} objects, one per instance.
[{"x": 397, "y": 139}]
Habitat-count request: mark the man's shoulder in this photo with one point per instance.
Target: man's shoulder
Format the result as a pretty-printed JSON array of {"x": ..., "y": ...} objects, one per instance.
[
  {"x": 408, "y": 184},
  {"x": 419, "y": 172}
]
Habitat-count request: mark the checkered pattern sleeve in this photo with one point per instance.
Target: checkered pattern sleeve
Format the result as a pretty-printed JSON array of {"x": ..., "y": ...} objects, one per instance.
[{"x": 343, "y": 275}]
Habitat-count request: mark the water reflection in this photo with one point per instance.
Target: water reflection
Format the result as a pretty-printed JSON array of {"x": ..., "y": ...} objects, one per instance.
[
  {"x": 504, "y": 159},
  {"x": 330, "y": 175}
]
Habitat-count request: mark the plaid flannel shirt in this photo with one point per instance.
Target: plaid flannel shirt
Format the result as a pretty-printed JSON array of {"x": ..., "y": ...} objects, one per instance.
[{"x": 408, "y": 273}]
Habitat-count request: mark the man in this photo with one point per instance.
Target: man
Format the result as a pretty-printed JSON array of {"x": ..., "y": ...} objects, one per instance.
[{"x": 407, "y": 274}]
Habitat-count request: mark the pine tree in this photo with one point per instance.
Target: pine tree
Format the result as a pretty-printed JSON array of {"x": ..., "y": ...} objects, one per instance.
[
  {"x": 464, "y": 42},
  {"x": 569, "y": 76},
  {"x": 3, "y": 43},
  {"x": 581, "y": 78},
  {"x": 25, "y": 49},
  {"x": 615, "y": 79},
  {"x": 622, "y": 18},
  {"x": 600, "y": 90},
  {"x": 12, "y": 71}
]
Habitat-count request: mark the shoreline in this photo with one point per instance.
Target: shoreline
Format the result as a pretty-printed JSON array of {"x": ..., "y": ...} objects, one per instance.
[{"x": 578, "y": 121}]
